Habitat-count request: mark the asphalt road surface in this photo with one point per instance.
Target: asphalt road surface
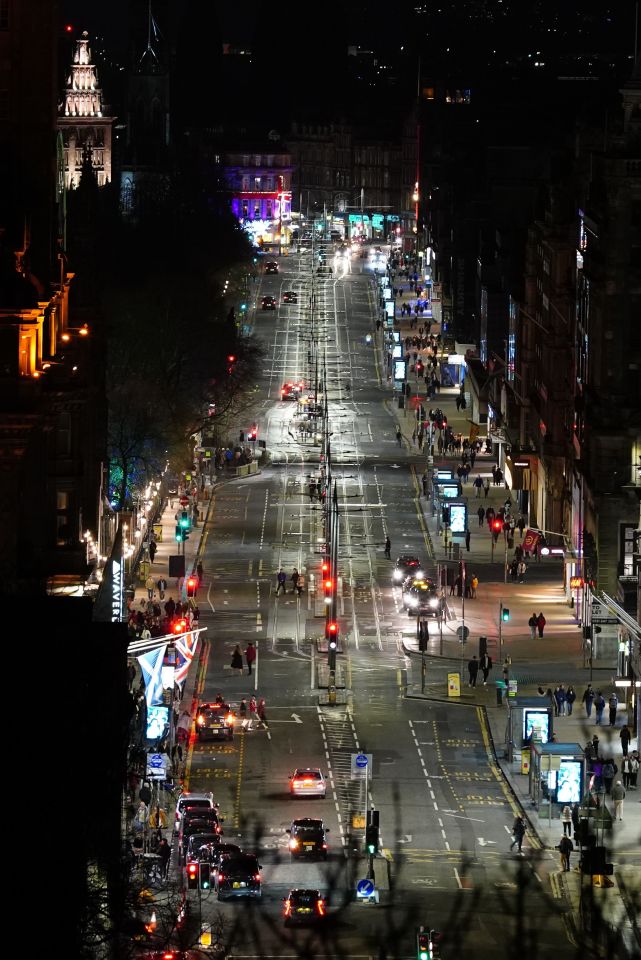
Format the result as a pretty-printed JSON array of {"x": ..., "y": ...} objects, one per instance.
[{"x": 445, "y": 812}]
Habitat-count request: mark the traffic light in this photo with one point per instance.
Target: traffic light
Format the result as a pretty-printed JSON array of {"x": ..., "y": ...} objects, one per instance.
[
  {"x": 332, "y": 634},
  {"x": 328, "y": 587},
  {"x": 325, "y": 567},
  {"x": 253, "y": 432},
  {"x": 192, "y": 584},
  {"x": 505, "y": 614},
  {"x": 184, "y": 521},
  {"x": 231, "y": 360},
  {"x": 371, "y": 839},
  {"x": 179, "y": 626},
  {"x": 497, "y": 525},
  {"x": 192, "y": 876},
  {"x": 180, "y": 534},
  {"x": 422, "y": 945},
  {"x": 205, "y": 875}
]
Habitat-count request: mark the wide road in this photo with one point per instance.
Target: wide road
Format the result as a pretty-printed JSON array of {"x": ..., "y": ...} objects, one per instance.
[{"x": 445, "y": 811}]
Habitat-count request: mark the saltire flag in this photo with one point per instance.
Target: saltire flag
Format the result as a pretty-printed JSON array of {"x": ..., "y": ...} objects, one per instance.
[
  {"x": 185, "y": 649},
  {"x": 151, "y": 666},
  {"x": 530, "y": 540}
]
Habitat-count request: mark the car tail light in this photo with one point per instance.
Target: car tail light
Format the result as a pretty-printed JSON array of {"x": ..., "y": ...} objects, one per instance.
[
  {"x": 308, "y": 781},
  {"x": 324, "y": 846},
  {"x": 257, "y": 877},
  {"x": 294, "y": 844},
  {"x": 288, "y": 908},
  {"x": 321, "y": 907},
  {"x": 221, "y": 876}
]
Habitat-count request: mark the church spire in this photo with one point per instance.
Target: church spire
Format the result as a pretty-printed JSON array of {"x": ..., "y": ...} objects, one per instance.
[{"x": 83, "y": 96}]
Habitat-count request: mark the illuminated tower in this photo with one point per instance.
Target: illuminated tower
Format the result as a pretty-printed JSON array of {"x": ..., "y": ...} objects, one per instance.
[{"x": 82, "y": 119}]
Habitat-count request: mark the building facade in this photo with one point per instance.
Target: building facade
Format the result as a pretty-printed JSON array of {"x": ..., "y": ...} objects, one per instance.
[
  {"x": 83, "y": 119},
  {"x": 258, "y": 183}
]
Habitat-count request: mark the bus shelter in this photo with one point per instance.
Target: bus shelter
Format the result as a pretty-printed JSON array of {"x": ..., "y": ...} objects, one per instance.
[
  {"x": 557, "y": 776},
  {"x": 528, "y": 719}
]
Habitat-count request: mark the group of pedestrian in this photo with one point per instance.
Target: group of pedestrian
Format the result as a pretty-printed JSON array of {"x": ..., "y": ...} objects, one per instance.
[
  {"x": 153, "y": 619},
  {"x": 237, "y": 658},
  {"x": 297, "y": 581},
  {"x": 536, "y": 623},
  {"x": 254, "y": 712},
  {"x": 484, "y": 665},
  {"x": 592, "y": 698}
]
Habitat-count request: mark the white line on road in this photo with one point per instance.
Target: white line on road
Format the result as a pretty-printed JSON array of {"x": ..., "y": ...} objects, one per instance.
[{"x": 458, "y": 879}]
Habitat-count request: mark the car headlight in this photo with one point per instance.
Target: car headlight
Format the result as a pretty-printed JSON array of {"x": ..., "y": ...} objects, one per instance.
[
  {"x": 412, "y": 601},
  {"x": 433, "y": 603},
  {"x": 398, "y": 575},
  {"x": 419, "y": 575}
]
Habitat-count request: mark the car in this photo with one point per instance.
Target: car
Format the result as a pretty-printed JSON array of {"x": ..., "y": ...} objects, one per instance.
[
  {"x": 202, "y": 846},
  {"x": 268, "y": 303},
  {"x": 238, "y": 876},
  {"x": 308, "y": 838},
  {"x": 291, "y": 390},
  {"x": 215, "y": 720},
  {"x": 203, "y": 821},
  {"x": 421, "y": 597},
  {"x": 304, "y": 905},
  {"x": 187, "y": 799},
  {"x": 405, "y": 565},
  {"x": 290, "y": 297},
  {"x": 271, "y": 267},
  {"x": 307, "y": 782},
  {"x": 222, "y": 850}
]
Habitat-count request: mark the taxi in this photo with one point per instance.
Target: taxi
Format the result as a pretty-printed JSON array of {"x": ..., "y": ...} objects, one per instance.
[
  {"x": 421, "y": 597},
  {"x": 215, "y": 721}
]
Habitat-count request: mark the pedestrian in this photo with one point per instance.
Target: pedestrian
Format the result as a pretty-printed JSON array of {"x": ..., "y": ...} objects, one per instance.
[
  {"x": 588, "y": 700},
  {"x": 618, "y": 795},
  {"x": 281, "y": 579},
  {"x": 474, "y": 582},
  {"x": 532, "y": 623},
  {"x": 570, "y": 697},
  {"x": 566, "y": 820},
  {"x": 388, "y": 548},
  {"x": 242, "y": 713},
  {"x": 237, "y": 660},
  {"x": 261, "y": 710},
  {"x": 626, "y": 769},
  {"x": 170, "y": 608},
  {"x": 608, "y": 773},
  {"x": 599, "y": 706},
  {"x": 294, "y": 579},
  {"x": 565, "y": 848},
  {"x": 164, "y": 853},
  {"x": 199, "y": 572},
  {"x": 521, "y": 570},
  {"x": 613, "y": 704},
  {"x": 468, "y": 537},
  {"x": 161, "y": 586},
  {"x": 486, "y": 487},
  {"x": 399, "y": 437},
  {"x": 485, "y": 664},
  {"x": 152, "y": 550},
  {"x": 478, "y": 484},
  {"x": 150, "y": 583},
  {"x": 559, "y": 696},
  {"x": 142, "y": 815},
  {"x": 481, "y": 515},
  {"x": 252, "y": 712},
  {"x": 521, "y": 525},
  {"x": 540, "y": 622},
  {"x": 518, "y": 833},
  {"x": 250, "y": 656},
  {"x": 473, "y": 669},
  {"x": 634, "y": 770},
  {"x": 507, "y": 663},
  {"x": 625, "y": 736},
  {"x": 131, "y": 674}
]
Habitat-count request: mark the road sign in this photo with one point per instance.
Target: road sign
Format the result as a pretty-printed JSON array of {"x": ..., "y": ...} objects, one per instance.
[
  {"x": 361, "y": 765},
  {"x": 454, "y": 684},
  {"x": 462, "y": 633},
  {"x": 365, "y": 888},
  {"x": 157, "y": 764},
  {"x": 184, "y": 501}
]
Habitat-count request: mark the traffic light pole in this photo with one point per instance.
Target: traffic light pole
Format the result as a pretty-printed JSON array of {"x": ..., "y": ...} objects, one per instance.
[{"x": 500, "y": 629}]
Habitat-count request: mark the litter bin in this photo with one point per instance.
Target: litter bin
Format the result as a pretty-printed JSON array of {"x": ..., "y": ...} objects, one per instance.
[{"x": 500, "y": 691}]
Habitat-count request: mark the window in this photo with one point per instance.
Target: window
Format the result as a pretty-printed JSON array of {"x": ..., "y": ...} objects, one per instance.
[
  {"x": 257, "y": 160},
  {"x": 62, "y": 518},
  {"x": 257, "y": 183}
]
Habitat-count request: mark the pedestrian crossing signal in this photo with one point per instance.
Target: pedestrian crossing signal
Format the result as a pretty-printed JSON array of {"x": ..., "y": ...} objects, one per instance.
[
  {"x": 192, "y": 583},
  {"x": 192, "y": 876},
  {"x": 505, "y": 614},
  {"x": 423, "y": 946},
  {"x": 205, "y": 876}
]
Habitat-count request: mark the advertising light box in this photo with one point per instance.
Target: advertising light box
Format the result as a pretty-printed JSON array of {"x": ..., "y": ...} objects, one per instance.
[
  {"x": 400, "y": 370},
  {"x": 448, "y": 490},
  {"x": 157, "y": 721},
  {"x": 397, "y": 352},
  {"x": 568, "y": 783},
  {"x": 458, "y": 517},
  {"x": 389, "y": 308},
  {"x": 536, "y": 723}
]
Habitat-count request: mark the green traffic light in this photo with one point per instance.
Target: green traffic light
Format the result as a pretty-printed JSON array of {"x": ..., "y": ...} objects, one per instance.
[
  {"x": 371, "y": 848},
  {"x": 423, "y": 955},
  {"x": 505, "y": 614}
]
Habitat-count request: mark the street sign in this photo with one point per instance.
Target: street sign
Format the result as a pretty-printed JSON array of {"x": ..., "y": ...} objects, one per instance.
[
  {"x": 184, "y": 501},
  {"x": 365, "y": 888},
  {"x": 157, "y": 764},
  {"x": 361, "y": 766},
  {"x": 463, "y": 633},
  {"x": 601, "y": 614}
]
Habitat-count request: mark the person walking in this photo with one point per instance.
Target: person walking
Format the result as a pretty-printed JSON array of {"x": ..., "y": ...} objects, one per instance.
[
  {"x": 626, "y": 770},
  {"x": 565, "y": 849},
  {"x": 261, "y": 710},
  {"x": 518, "y": 833},
  {"x": 625, "y": 736},
  {"x": 468, "y": 537},
  {"x": 161, "y": 586},
  {"x": 481, "y": 515},
  {"x": 237, "y": 660},
  {"x": 540, "y": 623},
  {"x": 150, "y": 583},
  {"x": 566, "y": 820},
  {"x": 559, "y": 696},
  {"x": 281, "y": 578},
  {"x": 532, "y": 624},
  {"x": 152, "y": 550},
  {"x": 399, "y": 437},
  {"x": 634, "y": 770},
  {"x": 164, "y": 853},
  {"x": 521, "y": 570},
  {"x": 474, "y": 582},
  {"x": 294, "y": 579},
  {"x": 599, "y": 706},
  {"x": 613, "y": 704},
  {"x": 485, "y": 664},
  {"x": 570, "y": 697},
  {"x": 388, "y": 548},
  {"x": 486, "y": 487},
  {"x": 507, "y": 663},
  {"x": 588, "y": 700},
  {"x": 473, "y": 669},
  {"x": 199, "y": 572},
  {"x": 521, "y": 525},
  {"x": 478, "y": 485},
  {"x": 618, "y": 795},
  {"x": 252, "y": 712},
  {"x": 250, "y": 657},
  {"x": 608, "y": 774},
  {"x": 242, "y": 713}
]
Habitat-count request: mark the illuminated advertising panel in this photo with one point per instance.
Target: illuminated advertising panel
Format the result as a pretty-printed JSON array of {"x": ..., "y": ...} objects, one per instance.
[
  {"x": 568, "y": 782},
  {"x": 400, "y": 370},
  {"x": 458, "y": 517},
  {"x": 157, "y": 721},
  {"x": 536, "y": 723}
]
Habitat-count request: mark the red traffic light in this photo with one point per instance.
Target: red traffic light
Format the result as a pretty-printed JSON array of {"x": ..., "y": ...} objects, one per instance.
[
  {"x": 332, "y": 628},
  {"x": 231, "y": 359},
  {"x": 192, "y": 584},
  {"x": 325, "y": 566},
  {"x": 497, "y": 525},
  {"x": 179, "y": 626},
  {"x": 328, "y": 584}
]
